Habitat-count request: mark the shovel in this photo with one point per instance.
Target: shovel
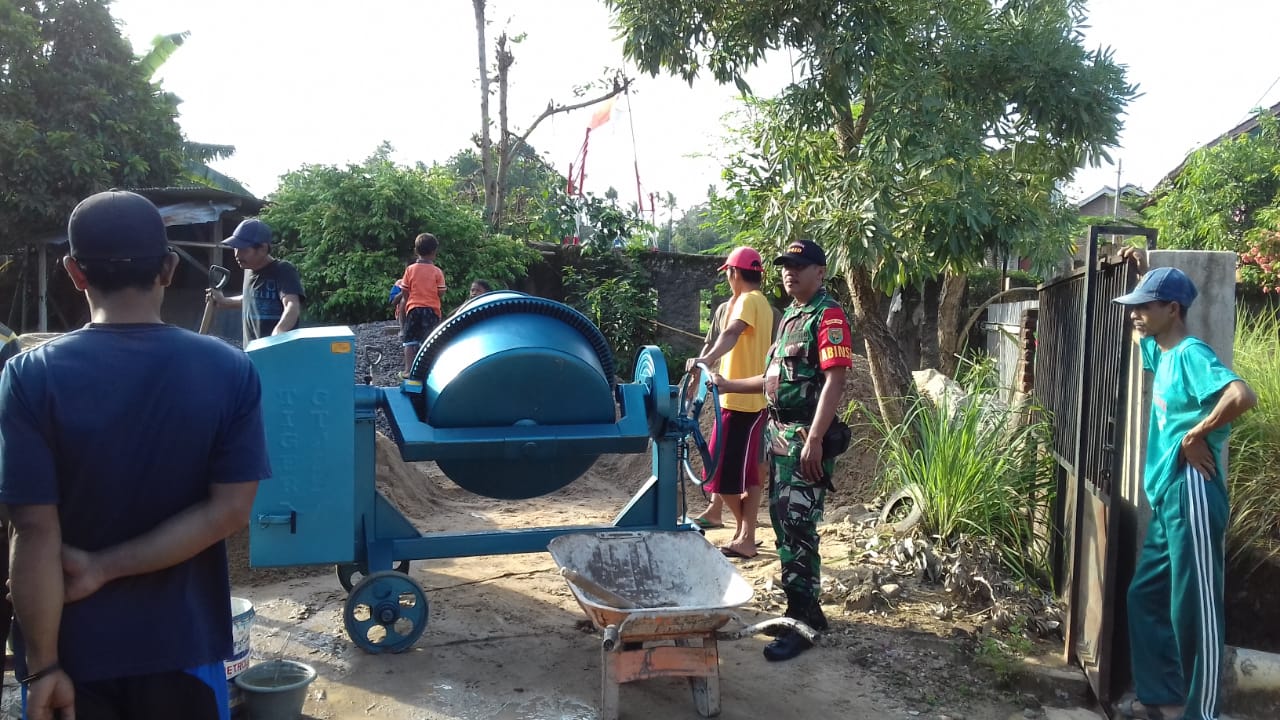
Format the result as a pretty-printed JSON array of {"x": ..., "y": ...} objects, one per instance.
[{"x": 218, "y": 277}]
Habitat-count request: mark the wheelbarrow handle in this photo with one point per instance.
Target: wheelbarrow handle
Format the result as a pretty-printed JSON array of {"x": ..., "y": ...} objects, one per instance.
[{"x": 748, "y": 630}]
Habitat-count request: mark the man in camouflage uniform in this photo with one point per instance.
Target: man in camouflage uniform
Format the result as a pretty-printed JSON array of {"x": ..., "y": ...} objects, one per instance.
[{"x": 803, "y": 382}]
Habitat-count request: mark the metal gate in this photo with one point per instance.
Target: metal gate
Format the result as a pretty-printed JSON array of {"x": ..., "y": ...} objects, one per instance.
[{"x": 1081, "y": 377}]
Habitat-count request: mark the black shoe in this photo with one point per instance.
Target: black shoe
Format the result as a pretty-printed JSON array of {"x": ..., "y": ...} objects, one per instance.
[
  {"x": 815, "y": 618},
  {"x": 786, "y": 647}
]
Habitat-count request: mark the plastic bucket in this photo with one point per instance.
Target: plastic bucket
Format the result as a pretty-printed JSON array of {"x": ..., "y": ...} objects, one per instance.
[
  {"x": 242, "y": 615},
  {"x": 275, "y": 690}
]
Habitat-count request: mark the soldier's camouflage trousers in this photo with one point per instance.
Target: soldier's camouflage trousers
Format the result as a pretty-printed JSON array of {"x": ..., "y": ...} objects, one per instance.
[{"x": 795, "y": 507}]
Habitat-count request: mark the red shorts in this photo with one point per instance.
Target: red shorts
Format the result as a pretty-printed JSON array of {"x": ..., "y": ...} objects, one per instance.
[{"x": 739, "y": 466}]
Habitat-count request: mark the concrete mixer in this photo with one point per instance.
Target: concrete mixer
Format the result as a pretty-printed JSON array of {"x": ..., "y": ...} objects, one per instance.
[{"x": 513, "y": 397}]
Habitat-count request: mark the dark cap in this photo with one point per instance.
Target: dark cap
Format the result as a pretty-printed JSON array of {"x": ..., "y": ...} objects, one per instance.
[
  {"x": 1163, "y": 284},
  {"x": 802, "y": 252},
  {"x": 250, "y": 233},
  {"x": 116, "y": 225}
]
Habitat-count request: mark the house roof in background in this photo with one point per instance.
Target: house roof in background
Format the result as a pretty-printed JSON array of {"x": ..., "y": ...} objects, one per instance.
[
  {"x": 247, "y": 204},
  {"x": 1108, "y": 191},
  {"x": 1243, "y": 128}
]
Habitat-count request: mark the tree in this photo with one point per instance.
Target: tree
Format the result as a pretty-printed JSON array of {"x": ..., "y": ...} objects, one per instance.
[
  {"x": 497, "y": 160},
  {"x": 196, "y": 156},
  {"x": 350, "y": 231},
  {"x": 1214, "y": 202},
  {"x": 707, "y": 227},
  {"x": 77, "y": 115},
  {"x": 528, "y": 182},
  {"x": 918, "y": 135}
]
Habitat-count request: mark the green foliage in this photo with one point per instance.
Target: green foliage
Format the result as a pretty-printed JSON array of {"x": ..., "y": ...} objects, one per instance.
[
  {"x": 984, "y": 282},
  {"x": 1254, "y": 473},
  {"x": 597, "y": 223},
  {"x": 1005, "y": 652},
  {"x": 1215, "y": 201},
  {"x": 707, "y": 228},
  {"x": 529, "y": 181},
  {"x": 613, "y": 290},
  {"x": 350, "y": 231},
  {"x": 977, "y": 469},
  {"x": 919, "y": 135},
  {"x": 77, "y": 115}
]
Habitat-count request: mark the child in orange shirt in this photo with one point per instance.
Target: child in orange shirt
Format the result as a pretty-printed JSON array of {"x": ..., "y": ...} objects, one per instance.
[{"x": 423, "y": 287}]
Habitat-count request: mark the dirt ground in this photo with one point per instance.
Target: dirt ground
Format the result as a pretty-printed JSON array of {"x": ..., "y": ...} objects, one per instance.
[{"x": 506, "y": 639}]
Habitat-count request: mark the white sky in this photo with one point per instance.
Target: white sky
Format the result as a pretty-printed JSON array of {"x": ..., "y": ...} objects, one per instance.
[{"x": 290, "y": 82}]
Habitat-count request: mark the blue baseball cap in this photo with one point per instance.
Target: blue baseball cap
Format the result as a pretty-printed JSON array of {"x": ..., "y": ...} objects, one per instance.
[
  {"x": 116, "y": 225},
  {"x": 250, "y": 233},
  {"x": 1163, "y": 284}
]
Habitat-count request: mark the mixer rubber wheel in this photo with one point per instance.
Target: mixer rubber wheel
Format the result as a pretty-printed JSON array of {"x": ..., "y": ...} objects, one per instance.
[
  {"x": 349, "y": 574},
  {"x": 386, "y": 613}
]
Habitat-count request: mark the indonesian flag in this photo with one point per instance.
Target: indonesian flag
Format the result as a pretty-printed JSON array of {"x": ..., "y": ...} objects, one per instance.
[{"x": 602, "y": 115}]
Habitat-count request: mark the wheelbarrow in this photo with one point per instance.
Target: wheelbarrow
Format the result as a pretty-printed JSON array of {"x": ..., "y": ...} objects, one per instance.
[{"x": 662, "y": 601}]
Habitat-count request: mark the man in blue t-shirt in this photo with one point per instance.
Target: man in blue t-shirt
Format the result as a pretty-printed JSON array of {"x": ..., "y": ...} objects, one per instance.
[
  {"x": 8, "y": 348},
  {"x": 129, "y": 449},
  {"x": 1176, "y": 620}
]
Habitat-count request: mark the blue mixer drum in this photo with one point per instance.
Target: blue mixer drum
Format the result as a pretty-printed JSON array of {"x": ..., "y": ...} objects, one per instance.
[{"x": 506, "y": 359}]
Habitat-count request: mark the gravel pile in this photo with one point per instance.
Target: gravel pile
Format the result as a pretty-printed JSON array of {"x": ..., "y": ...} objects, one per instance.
[{"x": 379, "y": 354}]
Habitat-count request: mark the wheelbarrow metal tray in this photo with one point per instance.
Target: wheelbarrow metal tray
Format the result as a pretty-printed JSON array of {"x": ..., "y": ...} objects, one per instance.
[{"x": 681, "y": 582}]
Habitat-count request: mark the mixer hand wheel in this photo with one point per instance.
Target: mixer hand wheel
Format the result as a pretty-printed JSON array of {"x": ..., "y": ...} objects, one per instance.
[
  {"x": 350, "y": 574},
  {"x": 386, "y": 612},
  {"x": 693, "y": 449}
]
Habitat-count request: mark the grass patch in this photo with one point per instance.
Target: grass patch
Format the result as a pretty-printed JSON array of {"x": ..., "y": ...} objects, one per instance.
[
  {"x": 976, "y": 468},
  {"x": 1253, "y": 537}
]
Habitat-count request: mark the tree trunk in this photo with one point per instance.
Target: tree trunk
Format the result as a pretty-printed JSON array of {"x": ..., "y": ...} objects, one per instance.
[
  {"x": 506, "y": 150},
  {"x": 929, "y": 302},
  {"x": 950, "y": 315},
  {"x": 903, "y": 324},
  {"x": 894, "y": 386},
  {"x": 486, "y": 142},
  {"x": 889, "y": 374}
]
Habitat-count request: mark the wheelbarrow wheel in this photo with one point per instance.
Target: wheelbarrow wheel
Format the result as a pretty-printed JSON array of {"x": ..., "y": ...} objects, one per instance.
[
  {"x": 350, "y": 574},
  {"x": 386, "y": 612}
]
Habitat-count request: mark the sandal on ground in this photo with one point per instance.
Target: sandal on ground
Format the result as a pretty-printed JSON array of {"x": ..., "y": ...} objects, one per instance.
[
  {"x": 1134, "y": 708},
  {"x": 706, "y": 524}
]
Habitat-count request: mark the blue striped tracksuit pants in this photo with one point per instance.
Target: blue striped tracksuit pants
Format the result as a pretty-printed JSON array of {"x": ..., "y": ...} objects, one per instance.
[{"x": 1176, "y": 621}]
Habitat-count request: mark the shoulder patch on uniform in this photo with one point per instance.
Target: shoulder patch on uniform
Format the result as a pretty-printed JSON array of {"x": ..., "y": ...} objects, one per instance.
[{"x": 835, "y": 335}]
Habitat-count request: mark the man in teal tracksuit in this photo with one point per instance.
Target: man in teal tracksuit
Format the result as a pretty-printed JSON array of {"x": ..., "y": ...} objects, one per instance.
[{"x": 1176, "y": 619}]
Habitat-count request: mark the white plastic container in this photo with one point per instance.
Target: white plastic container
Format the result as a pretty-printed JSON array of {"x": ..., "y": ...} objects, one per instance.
[{"x": 242, "y": 615}]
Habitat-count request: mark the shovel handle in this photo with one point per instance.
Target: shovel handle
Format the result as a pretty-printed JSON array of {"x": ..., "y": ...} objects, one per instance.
[
  {"x": 591, "y": 586},
  {"x": 207, "y": 320}
]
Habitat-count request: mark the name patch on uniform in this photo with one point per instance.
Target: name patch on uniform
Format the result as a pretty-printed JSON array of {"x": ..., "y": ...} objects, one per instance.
[
  {"x": 834, "y": 346},
  {"x": 833, "y": 352}
]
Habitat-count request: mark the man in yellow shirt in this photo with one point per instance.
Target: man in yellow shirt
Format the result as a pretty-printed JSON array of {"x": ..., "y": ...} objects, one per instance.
[{"x": 743, "y": 343}]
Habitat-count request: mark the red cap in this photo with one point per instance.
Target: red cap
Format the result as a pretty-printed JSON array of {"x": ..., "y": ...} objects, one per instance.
[{"x": 744, "y": 258}]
